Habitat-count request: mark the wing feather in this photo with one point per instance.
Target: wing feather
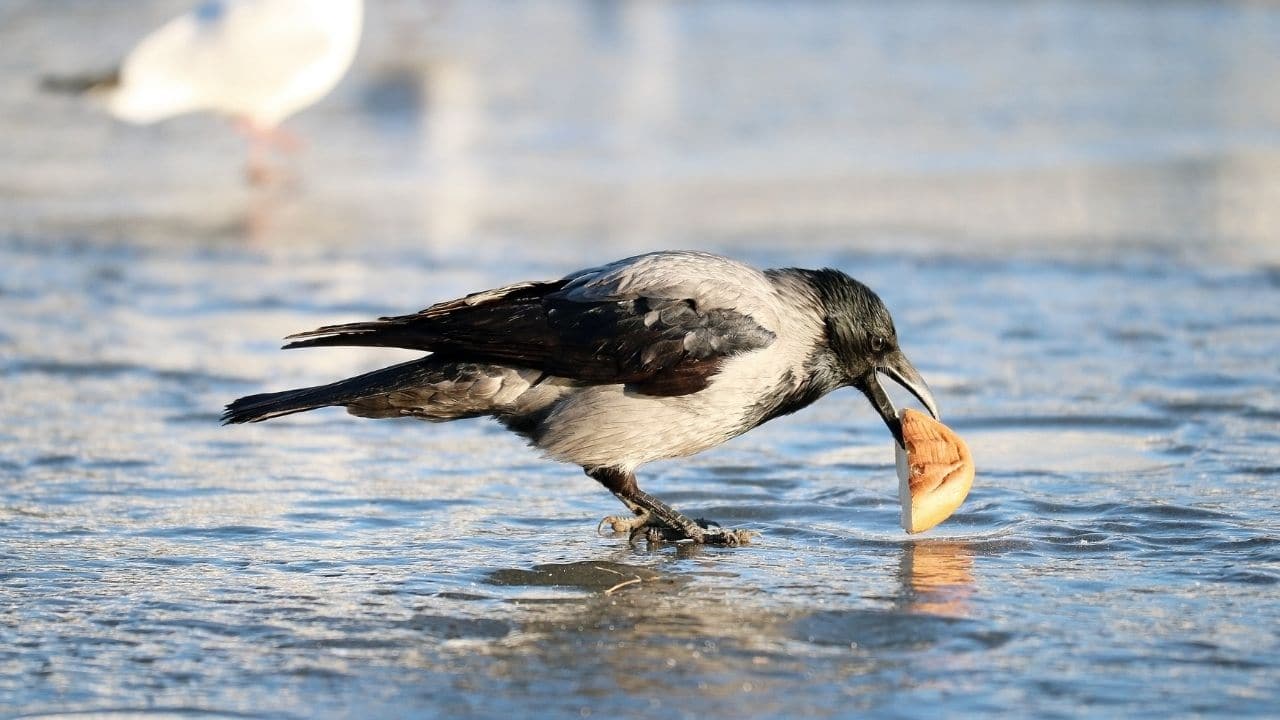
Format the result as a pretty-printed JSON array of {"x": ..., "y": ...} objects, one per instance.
[{"x": 660, "y": 339}]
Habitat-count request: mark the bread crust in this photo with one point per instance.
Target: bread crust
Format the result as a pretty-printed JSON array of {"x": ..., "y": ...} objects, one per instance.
[{"x": 935, "y": 471}]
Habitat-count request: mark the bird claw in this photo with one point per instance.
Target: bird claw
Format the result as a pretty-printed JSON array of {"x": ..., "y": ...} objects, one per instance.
[
  {"x": 730, "y": 538},
  {"x": 719, "y": 535},
  {"x": 643, "y": 527},
  {"x": 621, "y": 524}
]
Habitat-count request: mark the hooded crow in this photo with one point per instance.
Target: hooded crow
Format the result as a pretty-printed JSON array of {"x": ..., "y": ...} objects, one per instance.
[{"x": 656, "y": 356}]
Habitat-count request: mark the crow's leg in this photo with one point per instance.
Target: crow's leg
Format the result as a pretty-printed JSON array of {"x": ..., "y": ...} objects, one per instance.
[{"x": 656, "y": 520}]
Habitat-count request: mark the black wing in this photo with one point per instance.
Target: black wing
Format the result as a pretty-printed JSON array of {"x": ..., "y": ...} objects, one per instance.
[{"x": 658, "y": 346}]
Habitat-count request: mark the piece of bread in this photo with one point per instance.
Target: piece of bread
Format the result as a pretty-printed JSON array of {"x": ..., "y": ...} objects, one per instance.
[{"x": 935, "y": 471}]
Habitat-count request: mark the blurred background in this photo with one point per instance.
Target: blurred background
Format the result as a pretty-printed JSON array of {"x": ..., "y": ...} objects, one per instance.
[
  {"x": 1071, "y": 208},
  {"x": 622, "y": 126}
]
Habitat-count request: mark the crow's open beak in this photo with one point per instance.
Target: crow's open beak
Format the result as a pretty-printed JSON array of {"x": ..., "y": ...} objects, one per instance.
[{"x": 897, "y": 367}]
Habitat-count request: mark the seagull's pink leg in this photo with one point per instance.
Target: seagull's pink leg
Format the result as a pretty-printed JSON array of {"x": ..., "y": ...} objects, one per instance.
[
  {"x": 284, "y": 140},
  {"x": 262, "y": 141}
]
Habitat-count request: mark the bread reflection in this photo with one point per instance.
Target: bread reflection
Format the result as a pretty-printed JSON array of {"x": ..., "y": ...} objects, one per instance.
[{"x": 937, "y": 578}]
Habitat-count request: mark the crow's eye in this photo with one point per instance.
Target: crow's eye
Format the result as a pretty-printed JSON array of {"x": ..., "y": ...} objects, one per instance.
[{"x": 878, "y": 343}]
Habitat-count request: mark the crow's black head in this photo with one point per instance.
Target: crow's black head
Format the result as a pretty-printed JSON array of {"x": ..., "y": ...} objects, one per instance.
[{"x": 862, "y": 338}]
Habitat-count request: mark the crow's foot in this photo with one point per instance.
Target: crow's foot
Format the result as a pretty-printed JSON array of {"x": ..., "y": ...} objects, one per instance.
[
  {"x": 656, "y": 521},
  {"x": 654, "y": 532},
  {"x": 621, "y": 524}
]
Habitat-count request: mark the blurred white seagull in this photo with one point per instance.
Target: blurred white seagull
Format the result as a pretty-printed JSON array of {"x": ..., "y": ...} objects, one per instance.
[
  {"x": 255, "y": 61},
  {"x": 656, "y": 356}
]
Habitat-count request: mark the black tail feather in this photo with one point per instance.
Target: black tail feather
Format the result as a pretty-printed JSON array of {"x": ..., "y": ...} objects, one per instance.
[{"x": 256, "y": 408}]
